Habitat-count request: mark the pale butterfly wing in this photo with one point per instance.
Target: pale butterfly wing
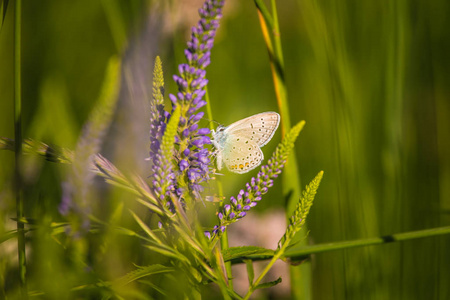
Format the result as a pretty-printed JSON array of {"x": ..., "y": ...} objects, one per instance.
[
  {"x": 238, "y": 145},
  {"x": 241, "y": 155},
  {"x": 259, "y": 128}
]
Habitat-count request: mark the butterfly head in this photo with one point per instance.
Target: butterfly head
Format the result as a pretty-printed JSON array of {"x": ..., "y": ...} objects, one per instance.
[{"x": 217, "y": 134}]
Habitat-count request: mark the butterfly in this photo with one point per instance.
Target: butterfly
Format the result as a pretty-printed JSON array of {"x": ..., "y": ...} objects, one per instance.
[{"x": 238, "y": 145}]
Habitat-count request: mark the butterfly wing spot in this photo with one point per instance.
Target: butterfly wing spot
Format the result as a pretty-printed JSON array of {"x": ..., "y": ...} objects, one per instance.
[{"x": 241, "y": 156}]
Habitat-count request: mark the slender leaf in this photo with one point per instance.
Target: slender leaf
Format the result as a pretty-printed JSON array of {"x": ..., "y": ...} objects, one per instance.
[
  {"x": 268, "y": 284},
  {"x": 169, "y": 253},
  {"x": 238, "y": 254},
  {"x": 146, "y": 228},
  {"x": 142, "y": 272}
]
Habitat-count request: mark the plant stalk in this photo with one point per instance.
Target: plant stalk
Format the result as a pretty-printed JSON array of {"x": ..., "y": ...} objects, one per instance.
[
  {"x": 291, "y": 175},
  {"x": 224, "y": 237},
  {"x": 18, "y": 183}
]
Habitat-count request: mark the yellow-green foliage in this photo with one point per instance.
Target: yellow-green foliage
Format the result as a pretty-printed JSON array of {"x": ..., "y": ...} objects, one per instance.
[
  {"x": 297, "y": 220},
  {"x": 158, "y": 83}
]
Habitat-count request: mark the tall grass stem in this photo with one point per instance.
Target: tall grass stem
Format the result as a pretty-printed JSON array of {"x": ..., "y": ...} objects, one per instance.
[
  {"x": 291, "y": 175},
  {"x": 18, "y": 149}
]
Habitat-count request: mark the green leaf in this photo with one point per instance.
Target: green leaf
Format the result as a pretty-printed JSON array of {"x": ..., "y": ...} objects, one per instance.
[
  {"x": 153, "y": 286},
  {"x": 142, "y": 272},
  {"x": 146, "y": 228},
  {"x": 8, "y": 235},
  {"x": 268, "y": 284},
  {"x": 166, "y": 251},
  {"x": 239, "y": 254}
]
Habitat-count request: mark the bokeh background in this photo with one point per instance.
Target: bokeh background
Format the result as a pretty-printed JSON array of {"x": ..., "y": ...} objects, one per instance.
[{"x": 370, "y": 78}]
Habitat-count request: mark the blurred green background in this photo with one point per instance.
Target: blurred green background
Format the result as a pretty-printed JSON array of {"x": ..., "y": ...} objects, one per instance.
[{"x": 371, "y": 79}]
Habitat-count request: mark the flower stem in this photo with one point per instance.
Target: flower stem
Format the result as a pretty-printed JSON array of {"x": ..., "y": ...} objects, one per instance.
[
  {"x": 224, "y": 237},
  {"x": 18, "y": 149},
  {"x": 277, "y": 255}
]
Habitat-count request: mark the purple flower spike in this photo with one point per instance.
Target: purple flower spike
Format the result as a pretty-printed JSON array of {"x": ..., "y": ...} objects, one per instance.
[
  {"x": 193, "y": 128},
  {"x": 198, "y": 117},
  {"x": 191, "y": 83},
  {"x": 183, "y": 165},
  {"x": 203, "y": 131}
]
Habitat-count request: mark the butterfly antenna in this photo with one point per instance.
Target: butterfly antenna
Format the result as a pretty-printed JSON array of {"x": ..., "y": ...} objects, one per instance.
[{"x": 209, "y": 121}]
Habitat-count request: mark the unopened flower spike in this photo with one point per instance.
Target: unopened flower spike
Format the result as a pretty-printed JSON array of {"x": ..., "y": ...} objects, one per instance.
[{"x": 298, "y": 218}]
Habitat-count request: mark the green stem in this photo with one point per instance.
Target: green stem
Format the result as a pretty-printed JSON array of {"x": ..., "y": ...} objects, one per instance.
[
  {"x": 265, "y": 12},
  {"x": 208, "y": 109},
  {"x": 304, "y": 252},
  {"x": 277, "y": 36},
  {"x": 224, "y": 237},
  {"x": 291, "y": 175},
  {"x": 224, "y": 245},
  {"x": 277, "y": 255},
  {"x": 398, "y": 237},
  {"x": 18, "y": 149}
]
